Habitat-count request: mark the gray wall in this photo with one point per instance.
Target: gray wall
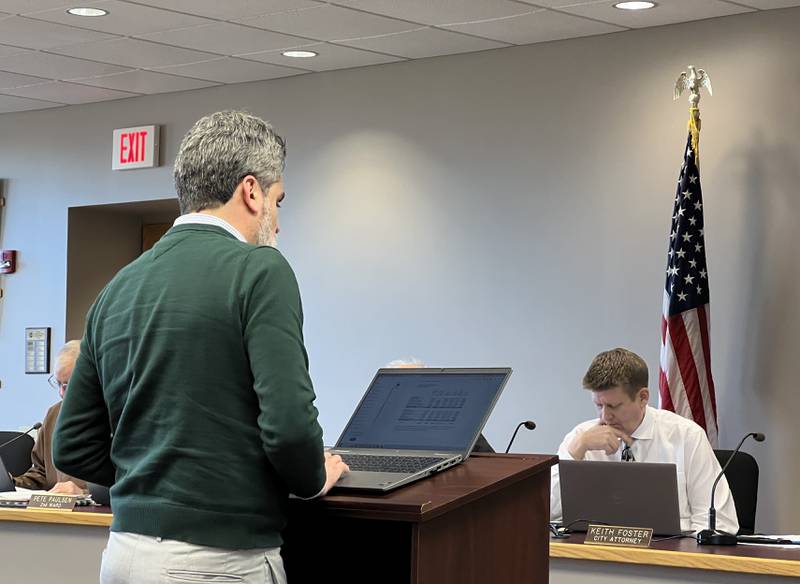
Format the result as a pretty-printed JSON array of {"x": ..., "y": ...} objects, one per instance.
[{"x": 509, "y": 207}]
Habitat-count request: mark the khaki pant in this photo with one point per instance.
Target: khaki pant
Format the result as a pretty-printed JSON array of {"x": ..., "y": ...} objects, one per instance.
[{"x": 130, "y": 558}]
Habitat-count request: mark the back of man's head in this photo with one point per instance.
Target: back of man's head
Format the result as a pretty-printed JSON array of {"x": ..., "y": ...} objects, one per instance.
[
  {"x": 617, "y": 368},
  {"x": 219, "y": 151}
]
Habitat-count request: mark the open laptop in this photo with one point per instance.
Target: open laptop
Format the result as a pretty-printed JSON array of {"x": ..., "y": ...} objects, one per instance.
[
  {"x": 6, "y": 482},
  {"x": 412, "y": 423},
  {"x": 630, "y": 494},
  {"x": 8, "y": 490}
]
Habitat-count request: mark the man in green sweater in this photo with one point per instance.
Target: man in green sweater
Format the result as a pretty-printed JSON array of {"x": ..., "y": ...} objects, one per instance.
[{"x": 191, "y": 394}]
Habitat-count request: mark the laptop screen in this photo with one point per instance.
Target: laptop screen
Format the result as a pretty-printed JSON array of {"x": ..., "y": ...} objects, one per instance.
[{"x": 424, "y": 409}]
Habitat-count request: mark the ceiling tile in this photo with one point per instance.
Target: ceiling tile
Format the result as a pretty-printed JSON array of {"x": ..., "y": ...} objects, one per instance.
[
  {"x": 231, "y": 70},
  {"x": 225, "y": 38},
  {"x": 10, "y": 80},
  {"x": 146, "y": 82},
  {"x": 134, "y": 53},
  {"x": 330, "y": 57},
  {"x": 424, "y": 42},
  {"x": 69, "y": 93},
  {"x": 768, "y": 4},
  {"x": 439, "y": 11},
  {"x": 54, "y": 66},
  {"x": 8, "y": 50},
  {"x": 230, "y": 9},
  {"x": 10, "y": 104},
  {"x": 124, "y": 18},
  {"x": 27, "y": 6},
  {"x": 328, "y": 23},
  {"x": 35, "y": 34},
  {"x": 535, "y": 27},
  {"x": 664, "y": 13}
]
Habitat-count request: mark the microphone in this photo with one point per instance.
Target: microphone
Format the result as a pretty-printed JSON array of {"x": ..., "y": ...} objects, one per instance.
[
  {"x": 528, "y": 424},
  {"x": 711, "y": 536},
  {"x": 36, "y": 426}
]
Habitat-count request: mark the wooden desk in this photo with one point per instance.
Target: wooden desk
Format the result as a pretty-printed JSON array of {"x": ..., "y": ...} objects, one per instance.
[
  {"x": 46, "y": 545},
  {"x": 469, "y": 524},
  {"x": 671, "y": 560},
  {"x": 74, "y": 542},
  {"x": 482, "y": 521}
]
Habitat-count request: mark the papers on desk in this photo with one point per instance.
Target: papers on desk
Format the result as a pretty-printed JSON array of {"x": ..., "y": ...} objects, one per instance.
[
  {"x": 773, "y": 541},
  {"x": 20, "y": 495}
]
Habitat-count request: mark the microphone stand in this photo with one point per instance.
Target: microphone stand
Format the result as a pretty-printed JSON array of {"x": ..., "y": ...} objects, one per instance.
[
  {"x": 36, "y": 426},
  {"x": 528, "y": 424},
  {"x": 710, "y": 535}
]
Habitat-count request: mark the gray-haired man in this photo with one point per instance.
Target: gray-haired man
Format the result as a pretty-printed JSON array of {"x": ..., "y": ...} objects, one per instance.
[
  {"x": 194, "y": 360},
  {"x": 43, "y": 474}
]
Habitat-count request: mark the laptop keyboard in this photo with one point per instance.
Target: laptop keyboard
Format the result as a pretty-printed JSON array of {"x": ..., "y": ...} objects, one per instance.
[{"x": 377, "y": 463}]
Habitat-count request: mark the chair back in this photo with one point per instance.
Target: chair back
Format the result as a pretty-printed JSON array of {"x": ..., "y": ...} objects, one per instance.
[
  {"x": 17, "y": 455},
  {"x": 742, "y": 476}
]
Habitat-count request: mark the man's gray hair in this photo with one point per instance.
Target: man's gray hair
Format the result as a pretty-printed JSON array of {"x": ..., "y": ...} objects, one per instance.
[
  {"x": 69, "y": 351},
  {"x": 219, "y": 151}
]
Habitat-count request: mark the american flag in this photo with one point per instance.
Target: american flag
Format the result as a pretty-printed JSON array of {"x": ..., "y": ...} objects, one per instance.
[{"x": 685, "y": 383}]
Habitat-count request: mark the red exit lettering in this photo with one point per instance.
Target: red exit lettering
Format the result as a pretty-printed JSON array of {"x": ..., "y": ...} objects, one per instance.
[{"x": 132, "y": 147}]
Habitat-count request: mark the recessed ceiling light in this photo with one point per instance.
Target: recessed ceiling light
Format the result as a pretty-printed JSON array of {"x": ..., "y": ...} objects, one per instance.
[
  {"x": 634, "y": 5},
  {"x": 90, "y": 12},
  {"x": 299, "y": 54}
]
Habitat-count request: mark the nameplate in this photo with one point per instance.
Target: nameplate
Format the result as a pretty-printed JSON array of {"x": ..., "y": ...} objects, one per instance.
[
  {"x": 619, "y": 536},
  {"x": 66, "y": 502}
]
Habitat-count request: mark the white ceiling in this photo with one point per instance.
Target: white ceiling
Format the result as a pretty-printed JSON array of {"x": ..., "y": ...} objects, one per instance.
[{"x": 49, "y": 58}]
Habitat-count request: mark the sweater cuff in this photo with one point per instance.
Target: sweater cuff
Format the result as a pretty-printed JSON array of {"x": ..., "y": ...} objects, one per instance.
[{"x": 313, "y": 497}]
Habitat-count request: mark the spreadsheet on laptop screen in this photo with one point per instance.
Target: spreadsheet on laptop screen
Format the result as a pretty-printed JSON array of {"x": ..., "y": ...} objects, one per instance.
[{"x": 422, "y": 411}]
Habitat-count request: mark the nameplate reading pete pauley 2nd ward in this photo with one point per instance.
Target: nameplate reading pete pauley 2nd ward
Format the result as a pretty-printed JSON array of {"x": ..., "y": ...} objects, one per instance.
[
  {"x": 618, "y": 535},
  {"x": 66, "y": 502}
]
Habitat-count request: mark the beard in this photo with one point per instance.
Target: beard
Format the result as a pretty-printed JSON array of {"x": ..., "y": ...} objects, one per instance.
[{"x": 266, "y": 230}]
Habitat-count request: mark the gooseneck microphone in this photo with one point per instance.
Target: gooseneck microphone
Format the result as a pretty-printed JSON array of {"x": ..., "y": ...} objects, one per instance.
[
  {"x": 711, "y": 536},
  {"x": 528, "y": 424},
  {"x": 36, "y": 426}
]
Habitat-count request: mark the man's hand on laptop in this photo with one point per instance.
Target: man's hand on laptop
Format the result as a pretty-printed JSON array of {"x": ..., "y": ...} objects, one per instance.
[
  {"x": 334, "y": 469},
  {"x": 599, "y": 437}
]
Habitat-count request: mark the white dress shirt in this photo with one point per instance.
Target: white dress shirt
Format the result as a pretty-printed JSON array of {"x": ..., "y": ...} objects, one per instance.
[
  {"x": 206, "y": 219},
  {"x": 667, "y": 437}
]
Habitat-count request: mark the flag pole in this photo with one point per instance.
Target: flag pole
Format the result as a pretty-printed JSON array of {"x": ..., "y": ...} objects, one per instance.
[
  {"x": 693, "y": 81},
  {"x": 686, "y": 384}
]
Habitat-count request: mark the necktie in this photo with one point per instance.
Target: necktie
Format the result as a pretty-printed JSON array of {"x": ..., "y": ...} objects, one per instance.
[{"x": 627, "y": 454}]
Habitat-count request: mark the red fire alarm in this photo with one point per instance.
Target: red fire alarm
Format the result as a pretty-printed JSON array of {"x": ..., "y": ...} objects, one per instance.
[{"x": 8, "y": 261}]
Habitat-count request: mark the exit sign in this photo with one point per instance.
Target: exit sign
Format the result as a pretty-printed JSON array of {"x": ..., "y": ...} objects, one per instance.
[{"x": 135, "y": 148}]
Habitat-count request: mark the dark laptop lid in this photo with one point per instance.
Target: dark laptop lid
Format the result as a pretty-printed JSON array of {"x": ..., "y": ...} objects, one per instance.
[
  {"x": 631, "y": 494},
  {"x": 6, "y": 483},
  {"x": 443, "y": 410}
]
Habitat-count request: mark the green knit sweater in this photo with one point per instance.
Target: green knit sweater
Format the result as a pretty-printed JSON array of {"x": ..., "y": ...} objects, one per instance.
[{"x": 192, "y": 394}]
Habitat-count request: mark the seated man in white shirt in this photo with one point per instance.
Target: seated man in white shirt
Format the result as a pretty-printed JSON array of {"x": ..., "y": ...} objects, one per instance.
[{"x": 628, "y": 429}]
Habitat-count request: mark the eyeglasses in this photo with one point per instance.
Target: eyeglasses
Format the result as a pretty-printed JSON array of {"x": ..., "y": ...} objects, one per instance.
[{"x": 56, "y": 384}]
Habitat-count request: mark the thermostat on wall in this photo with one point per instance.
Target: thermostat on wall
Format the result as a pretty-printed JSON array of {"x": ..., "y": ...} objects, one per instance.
[{"x": 37, "y": 350}]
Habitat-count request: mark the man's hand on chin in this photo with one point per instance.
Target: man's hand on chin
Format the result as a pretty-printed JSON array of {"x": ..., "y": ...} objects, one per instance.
[{"x": 600, "y": 437}]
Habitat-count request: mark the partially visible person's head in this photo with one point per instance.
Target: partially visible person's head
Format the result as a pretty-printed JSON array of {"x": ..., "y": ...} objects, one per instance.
[
  {"x": 618, "y": 381},
  {"x": 65, "y": 363},
  {"x": 233, "y": 157},
  {"x": 410, "y": 363}
]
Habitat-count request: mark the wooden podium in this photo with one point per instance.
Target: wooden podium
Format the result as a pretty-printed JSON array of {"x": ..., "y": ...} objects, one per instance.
[{"x": 482, "y": 521}]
